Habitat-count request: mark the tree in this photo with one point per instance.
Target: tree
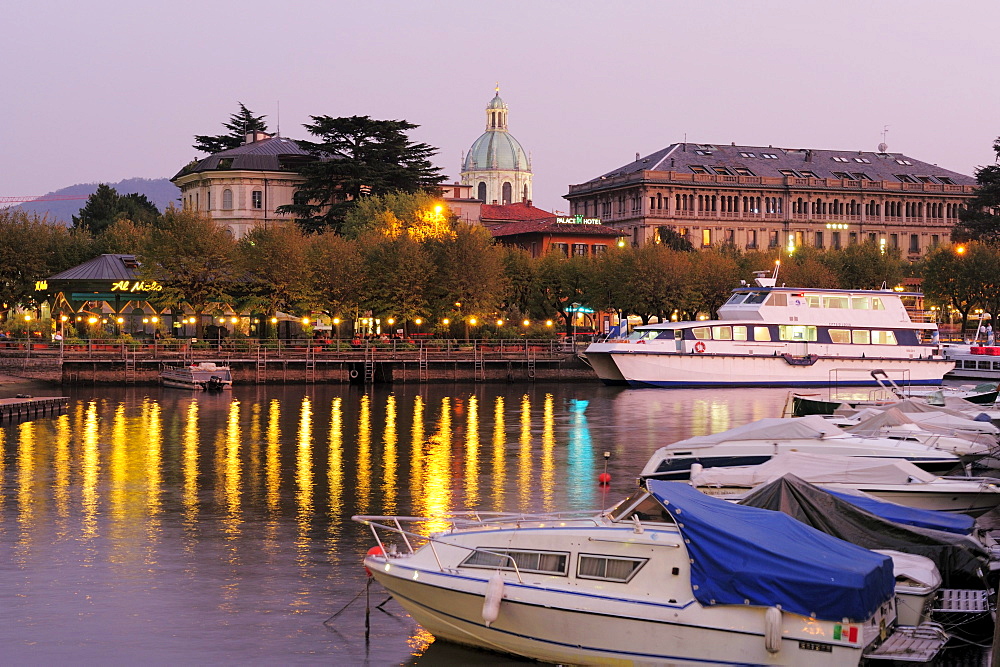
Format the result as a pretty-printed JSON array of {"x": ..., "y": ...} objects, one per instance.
[
  {"x": 240, "y": 124},
  {"x": 420, "y": 214},
  {"x": 192, "y": 258},
  {"x": 358, "y": 156},
  {"x": 978, "y": 220},
  {"x": 123, "y": 236},
  {"x": 957, "y": 279},
  {"x": 716, "y": 272},
  {"x": 469, "y": 269},
  {"x": 398, "y": 272},
  {"x": 338, "y": 273},
  {"x": 865, "y": 266},
  {"x": 106, "y": 206},
  {"x": 274, "y": 273},
  {"x": 670, "y": 238},
  {"x": 563, "y": 281}
]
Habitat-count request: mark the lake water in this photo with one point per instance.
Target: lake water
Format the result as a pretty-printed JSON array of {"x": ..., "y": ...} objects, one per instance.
[{"x": 158, "y": 526}]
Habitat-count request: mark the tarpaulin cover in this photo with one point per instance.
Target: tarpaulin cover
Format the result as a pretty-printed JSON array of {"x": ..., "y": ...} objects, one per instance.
[
  {"x": 743, "y": 555},
  {"x": 816, "y": 469},
  {"x": 960, "y": 524},
  {"x": 958, "y": 557}
]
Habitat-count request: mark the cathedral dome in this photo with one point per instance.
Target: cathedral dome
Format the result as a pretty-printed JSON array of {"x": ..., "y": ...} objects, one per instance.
[{"x": 496, "y": 149}]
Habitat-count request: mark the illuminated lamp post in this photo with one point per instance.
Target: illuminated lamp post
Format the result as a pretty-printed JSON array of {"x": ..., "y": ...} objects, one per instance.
[{"x": 336, "y": 327}]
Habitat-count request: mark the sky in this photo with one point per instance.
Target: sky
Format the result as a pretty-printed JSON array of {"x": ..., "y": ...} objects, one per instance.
[{"x": 104, "y": 90}]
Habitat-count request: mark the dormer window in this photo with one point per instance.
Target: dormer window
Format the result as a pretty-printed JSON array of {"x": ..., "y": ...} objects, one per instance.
[
  {"x": 698, "y": 169},
  {"x": 747, "y": 155},
  {"x": 862, "y": 160},
  {"x": 837, "y": 158}
]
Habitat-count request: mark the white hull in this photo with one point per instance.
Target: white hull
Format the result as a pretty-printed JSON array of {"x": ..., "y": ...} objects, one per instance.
[
  {"x": 624, "y": 363},
  {"x": 197, "y": 377}
]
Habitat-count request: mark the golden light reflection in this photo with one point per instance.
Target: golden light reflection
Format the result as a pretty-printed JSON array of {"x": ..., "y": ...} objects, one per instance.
[
  {"x": 272, "y": 472},
  {"x": 91, "y": 468},
  {"x": 118, "y": 470},
  {"x": 364, "y": 454},
  {"x": 499, "y": 455},
  {"x": 154, "y": 439},
  {"x": 548, "y": 448},
  {"x": 335, "y": 469},
  {"x": 3, "y": 468},
  {"x": 189, "y": 455},
  {"x": 61, "y": 465},
  {"x": 26, "y": 500},
  {"x": 231, "y": 482},
  {"x": 304, "y": 479},
  {"x": 390, "y": 457},
  {"x": 472, "y": 453},
  {"x": 435, "y": 499},
  {"x": 417, "y": 448},
  {"x": 419, "y": 641},
  {"x": 524, "y": 456}
]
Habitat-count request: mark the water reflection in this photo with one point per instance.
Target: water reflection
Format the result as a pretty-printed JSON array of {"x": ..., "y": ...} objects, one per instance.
[{"x": 229, "y": 516}]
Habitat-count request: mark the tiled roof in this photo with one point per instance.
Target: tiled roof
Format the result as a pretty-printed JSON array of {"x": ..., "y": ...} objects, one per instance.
[
  {"x": 513, "y": 212},
  {"x": 273, "y": 154},
  {"x": 821, "y": 162},
  {"x": 550, "y": 226},
  {"x": 103, "y": 267}
]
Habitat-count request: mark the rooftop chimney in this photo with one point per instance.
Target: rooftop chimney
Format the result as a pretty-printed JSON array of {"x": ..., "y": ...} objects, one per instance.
[{"x": 256, "y": 135}]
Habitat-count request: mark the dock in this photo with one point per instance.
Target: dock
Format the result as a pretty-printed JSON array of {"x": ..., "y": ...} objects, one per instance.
[{"x": 26, "y": 408}]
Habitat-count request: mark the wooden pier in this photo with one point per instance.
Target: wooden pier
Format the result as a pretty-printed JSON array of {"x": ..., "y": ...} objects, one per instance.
[{"x": 26, "y": 408}]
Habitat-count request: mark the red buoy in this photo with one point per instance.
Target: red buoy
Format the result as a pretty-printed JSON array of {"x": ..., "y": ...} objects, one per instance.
[
  {"x": 374, "y": 551},
  {"x": 604, "y": 478}
]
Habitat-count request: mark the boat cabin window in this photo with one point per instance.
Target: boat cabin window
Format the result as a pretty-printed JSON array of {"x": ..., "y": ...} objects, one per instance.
[
  {"x": 608, "y": 569},
  {"x": 761, "y": 333},
  {"x": 778, "y": 299},
  {"x": 722, "y": 333},
  {"x": 545, "y": 562},
  {"x": 702, "y": 333},
  {"x": 861, "y": 337},
  {"x": 642, "y": 334},
  {"x": 669, "y": 334},
  {"x": 756, "y": 297},
  {"x": 814, "y": 301},
  {"x": 883, "y": 338},
  {"x": 643, "y": 505},
  {"x": 835, "y": 301},
  {"x": 859, "y": 303},
  {"x": 739, "y": 333},
  {"x": 796, "y": 332},
  {"x": 840, "y": 335},
  {"x": 877, "y": 303},
  {"x": 736, "y": 298}
]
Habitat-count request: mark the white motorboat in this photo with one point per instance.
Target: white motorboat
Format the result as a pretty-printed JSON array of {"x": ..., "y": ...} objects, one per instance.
[
  {"x": 205, "y": 375},
  {"x": 669, "y": 576},
  {"x": 894, "y": 480},
  {"x": 917, "y": 583},
  {"x": 896, "y": 425},
  {"x": 758, "y": 441},
  {"x": 779, "y": 337}
]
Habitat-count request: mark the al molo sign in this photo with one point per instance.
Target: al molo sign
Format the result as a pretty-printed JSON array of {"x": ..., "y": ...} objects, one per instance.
[
  {"x": 136, "y": 286},
  {"x": 578, "y": 220}
]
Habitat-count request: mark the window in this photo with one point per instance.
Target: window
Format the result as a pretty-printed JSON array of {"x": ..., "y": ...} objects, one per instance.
[
  {"x": 945, "y": 180},
  {"x": 257, "y": 199},
  {"x": 835, "y": 301},
  {"x": 227, "y": 199},
  {"x": 743, "y": 171},
  {"x": 861, "y": 337},
  {"x": 840, "y": 335},
  {"x": 722, "y": 333},
  {"x": 837, "y": 158},
  {"x": 706, "y": 237},
  {"x": 843, "y": 175},
  {"x": 739, "y": 333},
  {"x": 835, "y": 240},
  {"x": 808, "y": 174},
  {"x": 702, "y": 333},
  {"x": 778, "y": 299},
  {"x": 893, "y": 240},
  {"x": 481, "y": 192},
  {"x": 769, "y": 156},
  {"x": 506, "y": 193},
  {"x": 747, "y": 154},
  {"x": 736, "y": 298},
  {"x": 796, "y": 332},
  {"x": 883, "y": 338},
  {"x": 788, "y": 172},
  {"x": 924, "y": 179},
  {"x": 225, "y": 163},
  {"x": 877, "y": 303},
  {"x": 722, "y": 170},
  {"x": 579, "y": 249},
  {"x": 861, "y": 176},
  {"x": 862, "y": 160},
  {"x": 545, "y": 562},
  {"x": 599, "y": 248},
  {"x": 819, "y": 239},
  {"x": 905, "y": 178},
  {"x": 757, "y": 297},
  {"x": 698, "y": 169},
  {"x": 914, "y": 243},
  {"x": 904, "y": 162},
  {"x": 859, "y": 303},
  {"x": 761, "y": 334},
  {"x": 814, "y": 301},
  {"x": 701, "y": 152},
  {"x": 648, "y": 509},
  {"x": 608, "y": 569},
  {"x": 561, "y": 248},
  {"x": 208, "y": 196}
]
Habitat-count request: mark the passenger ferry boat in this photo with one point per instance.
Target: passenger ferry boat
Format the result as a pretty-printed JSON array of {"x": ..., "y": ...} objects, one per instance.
[
  {"x": 974, "y": 362},
  {"x": 779, "y": 337}
]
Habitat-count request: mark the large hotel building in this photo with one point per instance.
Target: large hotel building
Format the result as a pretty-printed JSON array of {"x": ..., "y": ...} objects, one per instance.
[{"x": 765, "y": 197}]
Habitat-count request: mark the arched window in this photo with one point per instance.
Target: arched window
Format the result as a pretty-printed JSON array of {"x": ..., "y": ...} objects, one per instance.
[
  {"x": 524, "y": 192},
  {"x": 505, "y": 194},
  {"x": 481, "y": 193},
  {"x": 227, "y": 199}
]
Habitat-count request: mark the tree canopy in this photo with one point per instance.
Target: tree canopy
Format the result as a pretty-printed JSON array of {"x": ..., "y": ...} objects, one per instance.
[
  {"x": 358, "y": 156},
  {"x": 978, "y": 220},
  {"x": 240, "y": 123},
  {"x": 106, "y": 206}
]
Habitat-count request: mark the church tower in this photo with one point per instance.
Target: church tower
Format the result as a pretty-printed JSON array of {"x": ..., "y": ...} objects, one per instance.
[{"x": 496, "y": 166}]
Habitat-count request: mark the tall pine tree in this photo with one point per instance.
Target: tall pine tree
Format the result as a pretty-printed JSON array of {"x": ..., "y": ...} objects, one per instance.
[
  {"x": 106, "y": 206},
  {"x": 239, "y": 125},
  {"x": 979, "y": 221}
]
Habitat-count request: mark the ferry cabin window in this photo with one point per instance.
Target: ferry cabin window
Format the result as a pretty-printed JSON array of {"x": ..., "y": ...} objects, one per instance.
[
  {"x": 840, "y": 335},
  {"x": 835, "y": 301},
  {"x": 861, "y": 337},
  {"x": 669, "y": 334},
  {"x": 702, "y": 333},
  {"x": 883, "y": 338},
  {"x": 756, "y": 297},
  {"x": 761, "y": 333},
  {"x": 877, "y": 303},
  {"x": 814, "y": 301},
  {"x": 722, "y": 333},
  {"x": 859, "y": 303},
  {"x": 799, "y": 332},
  {"x": 736, "y": 298},
  {"x": 545, "y": 562},
  {"x": 608, "y": 569},
  {"x": 739, "y": 333},
  {"x": 778, "y": 299}
]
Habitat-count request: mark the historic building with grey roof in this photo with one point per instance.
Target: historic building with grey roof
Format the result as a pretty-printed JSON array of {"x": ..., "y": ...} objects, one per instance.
[
  {"x": 760, "y": 197},
  {"x": 496, "y": 166}
]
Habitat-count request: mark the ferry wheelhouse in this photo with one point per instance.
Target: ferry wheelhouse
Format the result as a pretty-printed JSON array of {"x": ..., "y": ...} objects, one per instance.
[{"x": 779, "y": 336}]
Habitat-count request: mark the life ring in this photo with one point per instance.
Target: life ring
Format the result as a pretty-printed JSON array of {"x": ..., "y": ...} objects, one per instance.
[
  {"x": 699, "y": 347},
  {"x": 354, "y": 375}
]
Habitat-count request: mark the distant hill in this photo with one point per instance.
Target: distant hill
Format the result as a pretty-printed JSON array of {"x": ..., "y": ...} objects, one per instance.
[{"x": 160, "y": 191}]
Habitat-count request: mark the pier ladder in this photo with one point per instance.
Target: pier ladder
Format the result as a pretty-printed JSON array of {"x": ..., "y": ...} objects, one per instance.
[
  {"x": 310, "y": 365},
  {"x": 261, "y": 376},
  {"x": 480, "y": 365},
  {"x": 370, "y": 364},
  {"x": 422, "y": 369}
]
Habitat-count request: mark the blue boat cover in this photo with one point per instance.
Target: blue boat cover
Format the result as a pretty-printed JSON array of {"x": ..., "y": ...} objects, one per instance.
[
  {"x": 745, "y": 555},
  {"x": 960, "y": 524}
]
